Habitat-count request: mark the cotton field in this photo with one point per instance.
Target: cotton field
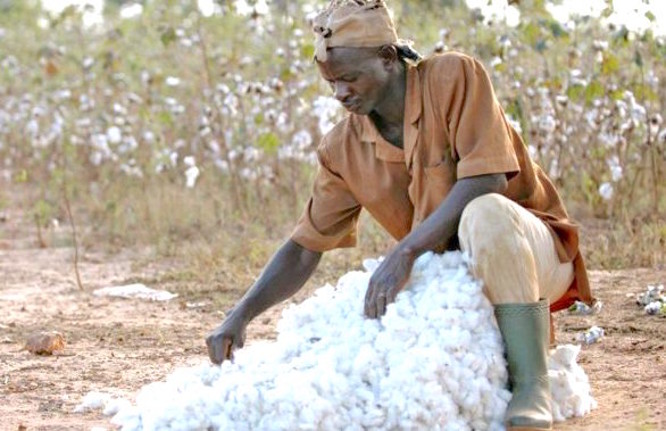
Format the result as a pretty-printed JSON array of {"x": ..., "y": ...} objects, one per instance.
[{"x": 591, "y": 112}]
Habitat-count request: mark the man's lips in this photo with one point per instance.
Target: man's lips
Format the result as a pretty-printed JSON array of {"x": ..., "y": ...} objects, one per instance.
[{"x": 351, "y": 106}]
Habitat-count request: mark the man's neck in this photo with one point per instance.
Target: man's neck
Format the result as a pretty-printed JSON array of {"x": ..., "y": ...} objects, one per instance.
[{"x": 391, "y": 110}]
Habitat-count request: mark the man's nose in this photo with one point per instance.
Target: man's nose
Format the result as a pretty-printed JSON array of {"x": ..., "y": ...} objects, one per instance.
[{"x": 341, "y": 91}]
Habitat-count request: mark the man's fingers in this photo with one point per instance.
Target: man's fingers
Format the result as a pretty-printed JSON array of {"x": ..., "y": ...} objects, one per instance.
[
  {"x": 390, "y": 297},
  {"x": 214, "y": 353},
  {"x": 211, "y": 350},
  {"x": 380, "y": 304},
  {"x": 218, "y": 351},
  {"x": 369, "y": 301},
  {"x": 226, "y": 350},
  {"x": 370, "y": 308}
]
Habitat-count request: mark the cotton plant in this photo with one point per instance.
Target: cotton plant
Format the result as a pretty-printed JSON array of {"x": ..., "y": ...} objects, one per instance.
[{"x": 434, "y": 361}]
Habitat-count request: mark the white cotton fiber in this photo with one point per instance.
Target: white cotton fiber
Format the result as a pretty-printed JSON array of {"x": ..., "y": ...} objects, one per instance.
[
  {"x": 92, "y": 401},
  {"x": 136, "y": 290},
  {"x": 569, "y": 385},
  {"x": 434, "y": 361}
]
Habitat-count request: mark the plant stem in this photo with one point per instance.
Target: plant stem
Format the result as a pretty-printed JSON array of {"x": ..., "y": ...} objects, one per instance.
[
  {"x": 76, "y": 244},
  {"x": 70, "y": 217}
]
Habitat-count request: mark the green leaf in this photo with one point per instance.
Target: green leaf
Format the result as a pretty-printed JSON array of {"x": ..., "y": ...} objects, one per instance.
[
  {"x": 168, "y": 36},
  {"x": 650, "y": 16},
  {"x": 531, "y": 33},
  {"x": 269, "y": 142},
  {"x": 307, "y": 51},
  {"x": 21, "y": 176},
  {"x": 165, "y": 117},
  {"x": 575, "y": 92},
  {"x": 617, "y": 95},
  {"x": 500, "y": 67},
  {"x": 557, "y": 29},
  {"x": 42, "y": 211},
  {"x": 286, "y": 74},
  {"x": 644, "y": 92},
  {"x": 594, "y": 90},
  {"x": 610, "y": 64}
]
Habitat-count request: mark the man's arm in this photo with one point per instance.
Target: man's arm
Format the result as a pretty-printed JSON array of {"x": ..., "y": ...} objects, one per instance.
[
  {"x": 286, "y": 272},
  {"x": 434, "y": 233}
]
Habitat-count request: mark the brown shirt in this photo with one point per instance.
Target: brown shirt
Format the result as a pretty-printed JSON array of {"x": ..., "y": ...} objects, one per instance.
[{"x": 454, "y": 128}]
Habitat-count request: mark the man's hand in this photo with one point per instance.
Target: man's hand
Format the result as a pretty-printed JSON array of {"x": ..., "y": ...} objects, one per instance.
[
  {"x": 388, "y": 280},
  {"x": 230, "y": 335}
]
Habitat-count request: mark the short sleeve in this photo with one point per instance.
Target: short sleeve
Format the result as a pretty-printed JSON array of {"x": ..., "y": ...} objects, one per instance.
[
  {"x": 330, "y": 217},
  {"x": 480, "y": 136}
]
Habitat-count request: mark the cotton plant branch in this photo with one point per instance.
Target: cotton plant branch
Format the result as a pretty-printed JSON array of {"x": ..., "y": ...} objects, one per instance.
[{"x": 70, "y": 217}]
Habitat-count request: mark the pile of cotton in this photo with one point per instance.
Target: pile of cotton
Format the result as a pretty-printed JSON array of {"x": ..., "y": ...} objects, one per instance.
[{"x": 434, "y": 361}]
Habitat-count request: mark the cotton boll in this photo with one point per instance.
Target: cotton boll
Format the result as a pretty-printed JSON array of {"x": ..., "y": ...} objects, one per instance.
[
  {"x": 114, "y": 135},
  {"x": 606, "y": 191},
  {"x": 191, "y": 175}
]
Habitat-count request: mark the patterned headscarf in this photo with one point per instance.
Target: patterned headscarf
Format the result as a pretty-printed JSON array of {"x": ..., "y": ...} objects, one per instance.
[{"x": 354, "y": 24}]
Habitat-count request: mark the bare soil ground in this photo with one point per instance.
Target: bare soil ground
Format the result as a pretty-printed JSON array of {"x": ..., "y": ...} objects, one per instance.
[{"x": 118, "y": 345}]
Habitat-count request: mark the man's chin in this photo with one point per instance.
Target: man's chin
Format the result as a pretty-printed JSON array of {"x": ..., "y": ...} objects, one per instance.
[{"x": 358, "y": 110}]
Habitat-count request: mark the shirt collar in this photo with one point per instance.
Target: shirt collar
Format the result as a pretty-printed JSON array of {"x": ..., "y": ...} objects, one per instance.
[{"x": 384, "y": 150}]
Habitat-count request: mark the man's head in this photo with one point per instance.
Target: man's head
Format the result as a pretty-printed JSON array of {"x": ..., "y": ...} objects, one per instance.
[
  {"x": 358, "y": 51},
  {"x": 360, "y": 77}
]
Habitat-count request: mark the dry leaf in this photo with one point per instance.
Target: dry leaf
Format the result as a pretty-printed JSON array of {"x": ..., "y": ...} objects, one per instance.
[
  {"x": 45, "y": 343},
  {"x": 51, "y": 68}
]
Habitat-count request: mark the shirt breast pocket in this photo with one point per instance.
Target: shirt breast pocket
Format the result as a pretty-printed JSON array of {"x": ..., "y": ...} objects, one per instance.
[{"x": 439, "y": 180}]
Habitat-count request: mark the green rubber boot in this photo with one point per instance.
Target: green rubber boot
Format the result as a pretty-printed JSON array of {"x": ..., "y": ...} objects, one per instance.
[{"x": 525, "y": 330}]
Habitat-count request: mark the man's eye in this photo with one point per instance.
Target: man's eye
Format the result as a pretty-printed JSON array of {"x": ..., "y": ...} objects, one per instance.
[{"x": 348, "y": 78}]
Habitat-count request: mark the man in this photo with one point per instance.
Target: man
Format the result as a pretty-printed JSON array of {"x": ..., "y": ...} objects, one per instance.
[{"x": 428, "y": 152}]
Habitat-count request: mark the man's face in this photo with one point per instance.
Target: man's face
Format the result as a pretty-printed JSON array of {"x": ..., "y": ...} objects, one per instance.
[{"x": 358, "y": 77}]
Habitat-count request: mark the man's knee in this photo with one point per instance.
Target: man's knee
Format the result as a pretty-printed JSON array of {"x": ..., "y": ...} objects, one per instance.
[
  {"x": 486, "y": 220},
  {"x": 491, "y": 232}
]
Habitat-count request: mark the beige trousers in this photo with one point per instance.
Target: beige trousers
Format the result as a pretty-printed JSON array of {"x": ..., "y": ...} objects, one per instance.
[{"x": 512, "y": 252}]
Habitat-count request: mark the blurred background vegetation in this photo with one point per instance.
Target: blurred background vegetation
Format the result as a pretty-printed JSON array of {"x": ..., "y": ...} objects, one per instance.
[{"x": 194, "y": 133}]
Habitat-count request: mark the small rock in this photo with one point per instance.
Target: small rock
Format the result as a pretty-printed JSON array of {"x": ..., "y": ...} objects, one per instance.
[{"x": 45, "y": 343}]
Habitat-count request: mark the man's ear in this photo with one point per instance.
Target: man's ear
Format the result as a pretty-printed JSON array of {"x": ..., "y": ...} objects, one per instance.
[{"x": 388, "y": 54}]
